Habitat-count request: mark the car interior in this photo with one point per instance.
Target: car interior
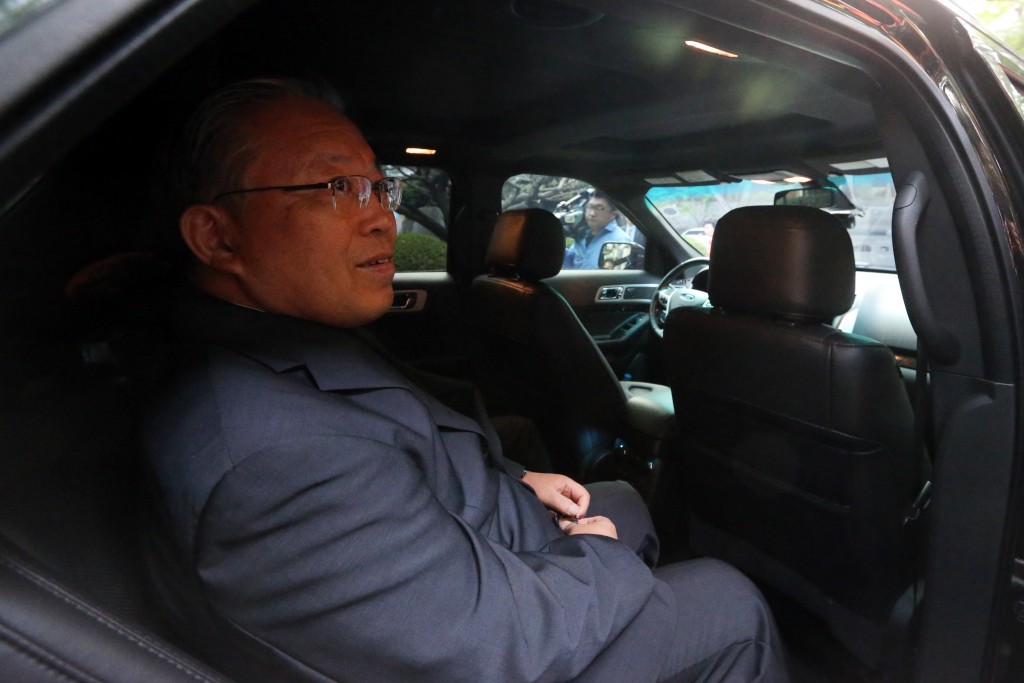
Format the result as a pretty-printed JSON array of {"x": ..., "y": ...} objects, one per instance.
[{"x": 768, "y": 399}]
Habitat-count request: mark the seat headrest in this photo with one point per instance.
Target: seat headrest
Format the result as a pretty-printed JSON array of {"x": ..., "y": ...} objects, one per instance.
[
  {"x": 528, "y": 243},
  {"x": 792, "y": 262}
]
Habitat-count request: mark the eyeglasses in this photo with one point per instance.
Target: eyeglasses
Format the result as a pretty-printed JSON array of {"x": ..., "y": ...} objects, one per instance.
[{"x": 388, "y": 190}]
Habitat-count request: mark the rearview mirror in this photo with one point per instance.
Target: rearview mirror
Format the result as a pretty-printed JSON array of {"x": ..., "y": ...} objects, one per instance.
[
  {"x": 818, "y": 197},
  {"x": 829, "y": 199},
  {"x": 620, "y": 255}
]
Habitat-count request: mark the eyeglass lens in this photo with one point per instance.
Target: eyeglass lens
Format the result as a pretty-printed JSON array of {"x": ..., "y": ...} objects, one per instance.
[{"x": 389, "y": 190}]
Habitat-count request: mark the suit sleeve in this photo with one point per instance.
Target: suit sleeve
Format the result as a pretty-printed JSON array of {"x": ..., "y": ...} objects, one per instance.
[{"x": 334, "y": 552}]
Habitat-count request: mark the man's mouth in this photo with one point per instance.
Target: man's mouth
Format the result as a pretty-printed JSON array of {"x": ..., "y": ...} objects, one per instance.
[{"x": 380, "y": 260}]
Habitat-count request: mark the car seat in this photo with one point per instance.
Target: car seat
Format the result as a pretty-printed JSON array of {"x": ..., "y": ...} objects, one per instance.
[
  {"x": 533, "y": 356},
  {"x": 797, "y": 438}
]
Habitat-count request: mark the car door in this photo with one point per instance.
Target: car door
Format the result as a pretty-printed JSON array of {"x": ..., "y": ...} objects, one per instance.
[
  {"x": 613, "y": 306},
  {"x": 611, "y": 297},
  {"x": 425, "y": 326}
]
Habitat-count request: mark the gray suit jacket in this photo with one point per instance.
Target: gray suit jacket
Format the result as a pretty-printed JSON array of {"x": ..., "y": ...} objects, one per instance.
[{"x": 321, "y": 517}]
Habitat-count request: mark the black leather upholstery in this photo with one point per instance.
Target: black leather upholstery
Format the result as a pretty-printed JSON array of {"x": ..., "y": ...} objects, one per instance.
[
  {"x": 526, "y": 244},
  {"x": 798, "y": 444},
  {"x": 75, "y": 602},
  {"x": 534, "y": 357},
  {"x": 50, "y": 633},
  {"x": 801, "y": 268}
]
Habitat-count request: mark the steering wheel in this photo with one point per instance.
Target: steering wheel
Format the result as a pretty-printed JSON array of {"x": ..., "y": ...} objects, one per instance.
[{"x": 676, "y": 290}]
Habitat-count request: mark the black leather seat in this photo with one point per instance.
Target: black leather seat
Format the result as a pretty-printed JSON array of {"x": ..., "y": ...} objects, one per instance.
[
  {"x": 797, "y": 438},
  {"x": 534, "y": 357},
  {"x": 51, "y": 633},
  {"x": 75, "y": 604}
]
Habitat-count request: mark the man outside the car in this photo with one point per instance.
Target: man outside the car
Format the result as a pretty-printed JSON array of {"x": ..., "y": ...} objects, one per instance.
[
  {"x": 601, "y": 218},
  {"x": 320, "y": 515}
]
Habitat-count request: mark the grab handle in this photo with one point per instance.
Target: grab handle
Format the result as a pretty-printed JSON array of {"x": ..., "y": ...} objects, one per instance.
[{"x": 911, "y": 200}]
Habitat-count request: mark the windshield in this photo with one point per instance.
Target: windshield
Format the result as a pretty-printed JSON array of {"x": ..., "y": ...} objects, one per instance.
[{"x": 693, "y": 211}]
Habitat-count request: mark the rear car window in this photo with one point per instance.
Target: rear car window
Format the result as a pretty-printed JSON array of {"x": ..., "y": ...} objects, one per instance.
[
  {"x": 567, "y": 199},
  {"x": 422, "y": 218}
]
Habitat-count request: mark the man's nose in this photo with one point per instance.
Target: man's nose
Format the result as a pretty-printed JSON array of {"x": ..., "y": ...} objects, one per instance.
[{"x": 380, "y": 220}]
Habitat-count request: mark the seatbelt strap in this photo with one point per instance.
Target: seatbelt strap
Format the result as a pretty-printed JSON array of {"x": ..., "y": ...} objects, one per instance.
[{"x": 922, "y": 431}]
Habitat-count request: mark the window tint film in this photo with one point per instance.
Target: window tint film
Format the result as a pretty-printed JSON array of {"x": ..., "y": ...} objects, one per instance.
[
  {"x": 422, "y": 218},
  {"x": 590, "y": 219}
]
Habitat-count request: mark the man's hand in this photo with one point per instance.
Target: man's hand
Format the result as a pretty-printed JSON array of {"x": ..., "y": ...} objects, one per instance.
[
  {"x": 559, "y": 493},
  {"x": 569, "y": 501},
  {"x": 601, "y": 526}
]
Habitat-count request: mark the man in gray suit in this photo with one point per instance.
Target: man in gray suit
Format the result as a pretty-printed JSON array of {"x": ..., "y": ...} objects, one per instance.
[{"x": 320, "y": 514}]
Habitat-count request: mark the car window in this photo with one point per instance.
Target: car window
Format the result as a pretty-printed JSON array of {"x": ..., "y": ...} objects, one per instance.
[
  {"x": 692, "y": 211},
  {"x": 422, "y": 218},
  {"x": 1007, "y": 66},
  {"x": 13, "y": 13},
  {"x": 589, "y": 217}
]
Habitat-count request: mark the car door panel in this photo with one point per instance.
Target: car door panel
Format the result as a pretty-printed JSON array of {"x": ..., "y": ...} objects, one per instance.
[
  {"x": 613, "y": 306},
  {"x": 425, "y": 326}
]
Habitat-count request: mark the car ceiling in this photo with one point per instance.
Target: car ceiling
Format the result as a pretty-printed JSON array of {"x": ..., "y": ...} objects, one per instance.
[{"x": 497, "y": 86}]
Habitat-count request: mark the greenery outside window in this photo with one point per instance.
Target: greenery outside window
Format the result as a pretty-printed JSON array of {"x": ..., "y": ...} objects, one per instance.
[{"x": 422, "y": 218}]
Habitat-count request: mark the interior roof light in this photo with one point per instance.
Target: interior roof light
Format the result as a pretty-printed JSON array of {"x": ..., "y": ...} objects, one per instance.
[
  {"x": 696, "y": 176},
  {"x": 866, "y": 164},
  {"x": 426, "y": 151},
  {"x": 780, "y": 176},
  {"x": 697, "y": 45}
]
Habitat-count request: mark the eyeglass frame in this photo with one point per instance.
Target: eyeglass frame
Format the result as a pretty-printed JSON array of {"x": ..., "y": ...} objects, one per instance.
[{"x": 379, "y": 187}]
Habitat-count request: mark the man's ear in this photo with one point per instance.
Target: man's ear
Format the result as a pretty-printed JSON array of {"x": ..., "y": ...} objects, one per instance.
[{"x": 209, "y": 231}]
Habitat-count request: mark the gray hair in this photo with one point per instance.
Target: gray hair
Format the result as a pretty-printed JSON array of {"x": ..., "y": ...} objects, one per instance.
[
  {"x": 216, "y": 148},
  {"x": 212, "y": 153}
]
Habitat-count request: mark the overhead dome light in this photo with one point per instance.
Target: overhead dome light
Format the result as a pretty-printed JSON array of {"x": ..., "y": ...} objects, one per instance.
[
  {"x": 880, "y": 163},
  {"x": 425, "y": 151},
  {"x": 697, "y": 45},
  {"x": 766, "y": 177}
]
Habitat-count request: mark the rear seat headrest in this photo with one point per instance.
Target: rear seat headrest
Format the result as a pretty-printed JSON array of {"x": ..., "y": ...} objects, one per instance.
[
  {"x": 792, "y": 262},
  {"x": 528, "y": 243}
]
